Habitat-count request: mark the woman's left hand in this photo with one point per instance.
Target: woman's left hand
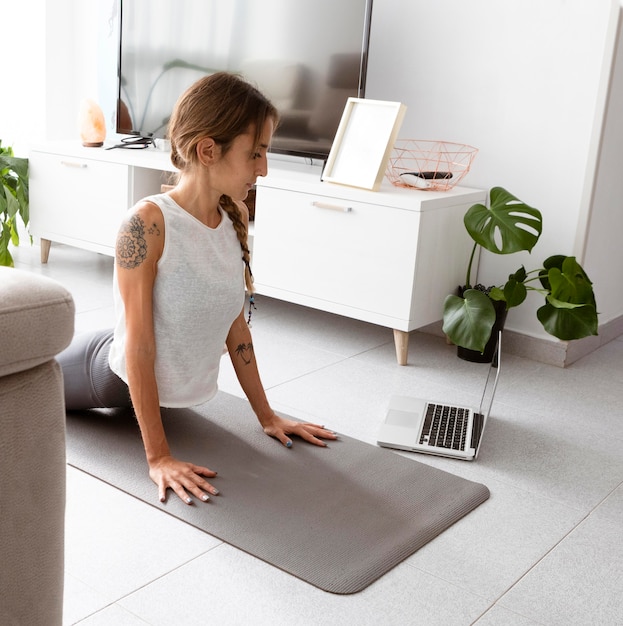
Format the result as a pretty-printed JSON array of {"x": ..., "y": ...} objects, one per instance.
[{"x": 281, "y": 429}]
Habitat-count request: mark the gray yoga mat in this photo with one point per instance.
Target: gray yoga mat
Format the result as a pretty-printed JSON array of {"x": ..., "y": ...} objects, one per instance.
[{"x": 337, "y": 517}]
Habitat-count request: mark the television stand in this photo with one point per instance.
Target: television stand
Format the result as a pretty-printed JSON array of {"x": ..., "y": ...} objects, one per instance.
[{"x": 387, "y": 257}]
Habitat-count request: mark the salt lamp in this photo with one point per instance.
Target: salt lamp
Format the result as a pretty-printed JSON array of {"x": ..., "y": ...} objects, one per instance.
[{"x": 91, "y": 124}]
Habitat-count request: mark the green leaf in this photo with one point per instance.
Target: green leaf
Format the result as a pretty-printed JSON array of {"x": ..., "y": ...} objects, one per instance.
[
  {"x": 514, "y": 292},
  {"x": 8, "y": 151},
  {"x": 507, "y": 226},
  {"x": 3, "y": 203},
  {"x": 14, "y": 200},
  {"x": 14, "y": 232},
  {"x": 548, "y": 264},
  {"x": 5, "y": 256},
  {"x": 569, "y": 283},
  {"x": 520, "y": 275},
  {"x": 468, "y": 321},
  {"x": 570, "y": 311},
  {"x": 20, "y": 167},
  {"x": 569, "y": 321},
  {"x": 495, "y": 293},
  {"x": 12, "y": 205}
]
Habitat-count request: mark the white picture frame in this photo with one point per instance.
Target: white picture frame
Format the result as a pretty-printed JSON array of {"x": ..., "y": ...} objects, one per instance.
[{"x": 363, "y": 143}]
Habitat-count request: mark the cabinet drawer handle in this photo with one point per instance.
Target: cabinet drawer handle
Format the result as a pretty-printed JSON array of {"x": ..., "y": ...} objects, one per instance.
[
  {"x": 73, "y": 164},
  {"x": 332, "y": 207}
]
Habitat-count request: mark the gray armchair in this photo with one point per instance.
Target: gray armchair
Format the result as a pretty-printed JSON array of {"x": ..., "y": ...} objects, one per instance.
[{"x": 36, "y": 323}]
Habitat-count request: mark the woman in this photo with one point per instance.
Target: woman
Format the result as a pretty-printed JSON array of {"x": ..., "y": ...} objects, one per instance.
[{"x": 180, "y": 267}]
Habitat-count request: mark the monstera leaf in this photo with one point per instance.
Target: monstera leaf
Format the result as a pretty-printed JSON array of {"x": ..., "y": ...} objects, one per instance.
[
  {"x": 508, "y": 225},
  {"x": 567, "y": 280},
  {"x": 570, "y": 310},
  {"x": 468, "y": 320}
]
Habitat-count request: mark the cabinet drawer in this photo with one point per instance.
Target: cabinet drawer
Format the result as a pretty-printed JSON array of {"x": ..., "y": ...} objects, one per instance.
[
  {"x": 354, "y": 254},
  {"x": 77, "y": 199}
]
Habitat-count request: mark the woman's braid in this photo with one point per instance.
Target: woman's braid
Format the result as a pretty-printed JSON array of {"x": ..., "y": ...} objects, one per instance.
[{"x": 235, "y": 215}]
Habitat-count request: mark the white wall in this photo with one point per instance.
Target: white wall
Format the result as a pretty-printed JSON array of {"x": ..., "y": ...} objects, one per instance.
[
  {"x": 53, "y": 44},
  {"x": 602, "y": 247},
  {"x": 522, "y": 80},
  {"x": 22, "y": 99},
  {"x": 517, "y": 79}
]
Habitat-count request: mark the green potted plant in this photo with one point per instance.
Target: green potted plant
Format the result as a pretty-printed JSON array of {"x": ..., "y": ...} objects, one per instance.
[
  {"x": 13, "y": 200},
  {"x": 507, "y": 226}
]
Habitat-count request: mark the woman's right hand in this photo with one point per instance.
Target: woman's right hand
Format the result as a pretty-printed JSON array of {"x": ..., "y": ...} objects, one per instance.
[{"x": 183, "y": 478}]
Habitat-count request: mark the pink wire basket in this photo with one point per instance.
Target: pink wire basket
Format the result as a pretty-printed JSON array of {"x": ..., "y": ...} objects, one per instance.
[{"x": 431, "y": 165}]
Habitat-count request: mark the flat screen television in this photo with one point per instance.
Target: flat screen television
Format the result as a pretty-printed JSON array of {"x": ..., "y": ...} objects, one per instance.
[{"x": 307, "y": 56}]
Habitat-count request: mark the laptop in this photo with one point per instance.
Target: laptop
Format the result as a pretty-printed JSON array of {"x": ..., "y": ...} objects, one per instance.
[{"x": 419, "y": 425}]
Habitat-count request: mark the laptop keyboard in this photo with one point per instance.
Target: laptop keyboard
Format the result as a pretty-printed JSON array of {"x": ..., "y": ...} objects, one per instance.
[{"x": 445, "y": 427}]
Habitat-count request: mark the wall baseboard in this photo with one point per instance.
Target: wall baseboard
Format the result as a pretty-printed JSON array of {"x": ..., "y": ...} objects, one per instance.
[
  {"x": 607, "y": 332},
  {"x": 558, "y": 353}
]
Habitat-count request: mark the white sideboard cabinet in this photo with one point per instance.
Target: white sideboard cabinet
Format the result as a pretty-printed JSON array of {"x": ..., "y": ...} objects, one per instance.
[
  {"x": 387, "y": 257},
  {"x": 78, "y": 195}
]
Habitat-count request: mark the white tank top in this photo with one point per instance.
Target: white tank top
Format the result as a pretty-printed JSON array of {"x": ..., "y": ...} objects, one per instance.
[{"x": 198, "y": 293}]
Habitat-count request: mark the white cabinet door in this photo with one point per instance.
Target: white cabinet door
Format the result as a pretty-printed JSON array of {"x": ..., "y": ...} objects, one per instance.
[
  {"x": 76, "y": 200},
  {"x": 351, "y": 254}
]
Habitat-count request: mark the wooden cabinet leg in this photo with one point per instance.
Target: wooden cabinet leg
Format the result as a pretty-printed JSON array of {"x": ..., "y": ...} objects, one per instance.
[
  {"x": 401, "y": 341},
  {"x": 45, "y": 250}
]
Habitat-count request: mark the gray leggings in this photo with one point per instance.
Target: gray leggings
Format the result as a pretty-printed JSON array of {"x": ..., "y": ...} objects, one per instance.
[{"x": 89, "y": 381}]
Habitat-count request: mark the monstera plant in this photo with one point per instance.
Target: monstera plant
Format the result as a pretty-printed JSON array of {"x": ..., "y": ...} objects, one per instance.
[
  {"x": 506, "y": 226},
  {"x": 13, "y": 200}
]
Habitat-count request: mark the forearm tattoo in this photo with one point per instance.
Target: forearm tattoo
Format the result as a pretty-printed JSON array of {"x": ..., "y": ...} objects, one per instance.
[
  {"x": 245, "y": 352},
  {"x": 131, "y": 244}
]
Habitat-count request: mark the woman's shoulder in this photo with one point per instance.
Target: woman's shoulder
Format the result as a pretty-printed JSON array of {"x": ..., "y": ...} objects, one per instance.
[
  {"x": 149, "y": 207},
  {"x": 145, "y": 217},
  {"x": 153, "y": 202}
]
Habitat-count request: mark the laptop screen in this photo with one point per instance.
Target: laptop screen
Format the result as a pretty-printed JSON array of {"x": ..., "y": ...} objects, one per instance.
[{"x": 488, "y": 393}]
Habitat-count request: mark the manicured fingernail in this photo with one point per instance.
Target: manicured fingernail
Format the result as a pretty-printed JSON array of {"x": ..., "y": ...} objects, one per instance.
[
  {"x": 205, "y": 497},
  {"x": 288, "y": 444},
  {"x": 215, "y": 492},
  {"x": 188, "y": 500}
]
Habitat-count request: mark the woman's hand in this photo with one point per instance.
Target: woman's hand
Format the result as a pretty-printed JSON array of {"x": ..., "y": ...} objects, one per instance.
[
  {"x": 183, "y": 478},
  {"x": 281, "y": 429},
  {"x": 242, "y": 353}
]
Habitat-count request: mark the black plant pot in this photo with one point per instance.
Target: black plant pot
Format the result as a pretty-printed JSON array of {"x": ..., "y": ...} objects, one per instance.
[{"x": 487, "y": 355}]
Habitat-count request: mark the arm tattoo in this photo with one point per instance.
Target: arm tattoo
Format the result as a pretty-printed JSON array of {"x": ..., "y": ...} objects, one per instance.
[
  {"x": 245, "y": 352},
  {"x": 131, "y": 244}
]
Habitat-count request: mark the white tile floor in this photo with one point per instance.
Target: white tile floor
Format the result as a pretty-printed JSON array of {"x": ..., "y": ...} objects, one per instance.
[{"x": 546, "y": 548}]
